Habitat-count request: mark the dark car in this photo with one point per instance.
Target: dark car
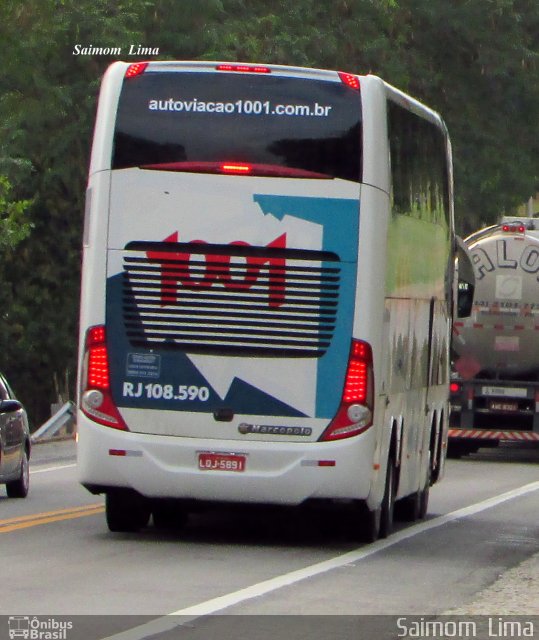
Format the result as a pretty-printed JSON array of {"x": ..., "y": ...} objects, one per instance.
[{"x": 14, "y": 443}]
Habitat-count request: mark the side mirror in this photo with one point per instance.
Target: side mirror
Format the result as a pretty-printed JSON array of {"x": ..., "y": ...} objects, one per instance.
[
  {"x": 464, "y": 281},
  {"x": 9, "y": 406}
]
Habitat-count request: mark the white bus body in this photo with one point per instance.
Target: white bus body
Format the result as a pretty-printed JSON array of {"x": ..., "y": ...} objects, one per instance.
[{"x": 265, "y": 305}]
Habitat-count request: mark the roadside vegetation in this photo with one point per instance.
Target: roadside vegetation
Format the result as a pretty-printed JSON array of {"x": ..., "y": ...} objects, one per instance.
[{"x": 476, "y": 62}]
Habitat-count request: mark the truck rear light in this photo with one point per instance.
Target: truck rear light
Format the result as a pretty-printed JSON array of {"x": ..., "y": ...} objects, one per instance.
[
  {"x": 514, "y": 228},
  {"x": 357, "y": 405},
  {"x": 96, "y": 398}
]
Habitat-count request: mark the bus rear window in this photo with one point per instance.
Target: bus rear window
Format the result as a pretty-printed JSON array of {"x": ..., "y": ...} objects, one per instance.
[{"x": 170, "y": 118}]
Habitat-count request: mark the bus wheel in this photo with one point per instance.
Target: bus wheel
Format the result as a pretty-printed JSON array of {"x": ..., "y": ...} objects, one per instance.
[
  {"x": 126, "y": 510},
  {"x": 366, "y": 523},
  {"x": 414, "y": 507},
  {"x": 378, "y": 523},
  {"x": 168, "y": 515},
  {"x": 407, "y": 509},
  {"x": 424, "y": 494},
  {"x": 388, "y": 503}
]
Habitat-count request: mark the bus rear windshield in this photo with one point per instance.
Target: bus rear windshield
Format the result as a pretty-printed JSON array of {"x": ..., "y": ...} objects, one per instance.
[{"x": 194, "y": 119}]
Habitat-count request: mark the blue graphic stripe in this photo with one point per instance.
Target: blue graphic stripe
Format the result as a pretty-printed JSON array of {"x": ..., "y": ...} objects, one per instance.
[{"x": 339, "y": 219}]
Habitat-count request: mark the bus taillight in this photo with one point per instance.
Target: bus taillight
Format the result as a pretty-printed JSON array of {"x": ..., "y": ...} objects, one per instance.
[
  {"x": 350, "y": 80},
  {"x": 357, "y": 404},
  {"x": 97, "y": 402},
  {"x": 135, "y": 69},
  {"x": 243, "y": 68},
  {"x": 236, "y": 168}
]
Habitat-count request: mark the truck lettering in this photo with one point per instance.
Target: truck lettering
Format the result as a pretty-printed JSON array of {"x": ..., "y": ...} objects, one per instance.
[
  {"x": 503, "y": 261},
  {"x": 530, "y": 259},
  {"x": 482, "y": 263},
  {"x": 505, "y": 258}
]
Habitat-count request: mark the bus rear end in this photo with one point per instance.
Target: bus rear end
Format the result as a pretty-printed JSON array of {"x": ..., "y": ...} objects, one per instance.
[{"x": 219, "y": 287}]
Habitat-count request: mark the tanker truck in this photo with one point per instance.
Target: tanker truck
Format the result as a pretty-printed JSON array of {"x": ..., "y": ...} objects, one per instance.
[{"x": 494, "y": 390}]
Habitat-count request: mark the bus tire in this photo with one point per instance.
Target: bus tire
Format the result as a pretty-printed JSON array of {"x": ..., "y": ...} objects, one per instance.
[
  {"x": 407, "y": 509},
  {"x": 168, "y": 515},
  {"x": 126, "y": 511},
  {"x": 414, "y": 507},
  {"x": 366, "y": 523},
  {"x": 378, "y": 523},
  {"x": 388, "y": 502},
  {"x": 424, "y": 494}
]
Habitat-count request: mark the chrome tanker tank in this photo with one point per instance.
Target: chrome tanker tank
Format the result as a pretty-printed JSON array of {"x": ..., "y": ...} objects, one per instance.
[{"x": 500, "y": 340}]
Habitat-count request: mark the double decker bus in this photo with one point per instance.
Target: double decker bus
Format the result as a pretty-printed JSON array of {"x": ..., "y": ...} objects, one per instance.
[{"x": 266, "y": 294}]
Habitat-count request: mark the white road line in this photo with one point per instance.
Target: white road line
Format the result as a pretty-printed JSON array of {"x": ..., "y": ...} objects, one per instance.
[
  {"x": 63, "y": 466},
  {"x": 183, "y": 616}
]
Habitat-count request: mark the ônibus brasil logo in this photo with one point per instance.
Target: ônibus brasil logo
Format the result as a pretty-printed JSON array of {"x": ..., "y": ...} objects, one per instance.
[
  {"x": 34, "y": 628},
  {"x": 179, "y": 270}
]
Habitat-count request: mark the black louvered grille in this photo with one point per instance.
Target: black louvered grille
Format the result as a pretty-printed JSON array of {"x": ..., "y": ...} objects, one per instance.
[{"x": 230, "y": 299}]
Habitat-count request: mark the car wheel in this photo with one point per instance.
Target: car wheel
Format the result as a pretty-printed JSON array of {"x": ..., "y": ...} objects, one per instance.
[
  {"x": 126, "y": 510},
  {"x": 19, "y": 488}
]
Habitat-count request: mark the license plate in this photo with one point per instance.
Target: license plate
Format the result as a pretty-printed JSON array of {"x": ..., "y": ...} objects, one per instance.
[
  {"x": 221, "y": 462},
  {"x": 503, "y": 406},
  {"x": 514, "y": 392}
]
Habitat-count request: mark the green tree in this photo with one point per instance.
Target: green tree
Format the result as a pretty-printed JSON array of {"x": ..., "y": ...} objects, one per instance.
[
  {"x": 14, "y": 224},
  {"x": 47, "y": 107},
  {"x": 476, "y": 62}
]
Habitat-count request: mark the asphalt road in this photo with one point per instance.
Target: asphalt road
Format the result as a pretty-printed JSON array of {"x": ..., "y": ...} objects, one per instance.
[{"x": 61, "y": 560}]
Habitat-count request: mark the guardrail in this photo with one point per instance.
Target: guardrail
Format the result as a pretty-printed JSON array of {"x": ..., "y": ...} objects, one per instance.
[{"x": 55, "y": 423}]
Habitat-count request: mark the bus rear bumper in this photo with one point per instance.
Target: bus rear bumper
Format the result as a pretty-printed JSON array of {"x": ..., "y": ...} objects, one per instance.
[{"x": 273, "y": 473}]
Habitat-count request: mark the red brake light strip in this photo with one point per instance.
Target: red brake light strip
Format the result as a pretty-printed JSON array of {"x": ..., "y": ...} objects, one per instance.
[
  {"x": 245, "y": 68},
  {"x": 236, "y": 168}
]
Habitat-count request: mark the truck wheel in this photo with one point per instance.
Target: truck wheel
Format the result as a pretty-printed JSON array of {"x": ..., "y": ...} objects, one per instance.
[
  {"x": 126, "y": 510},
  {"x": 456, "y": 450}
]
